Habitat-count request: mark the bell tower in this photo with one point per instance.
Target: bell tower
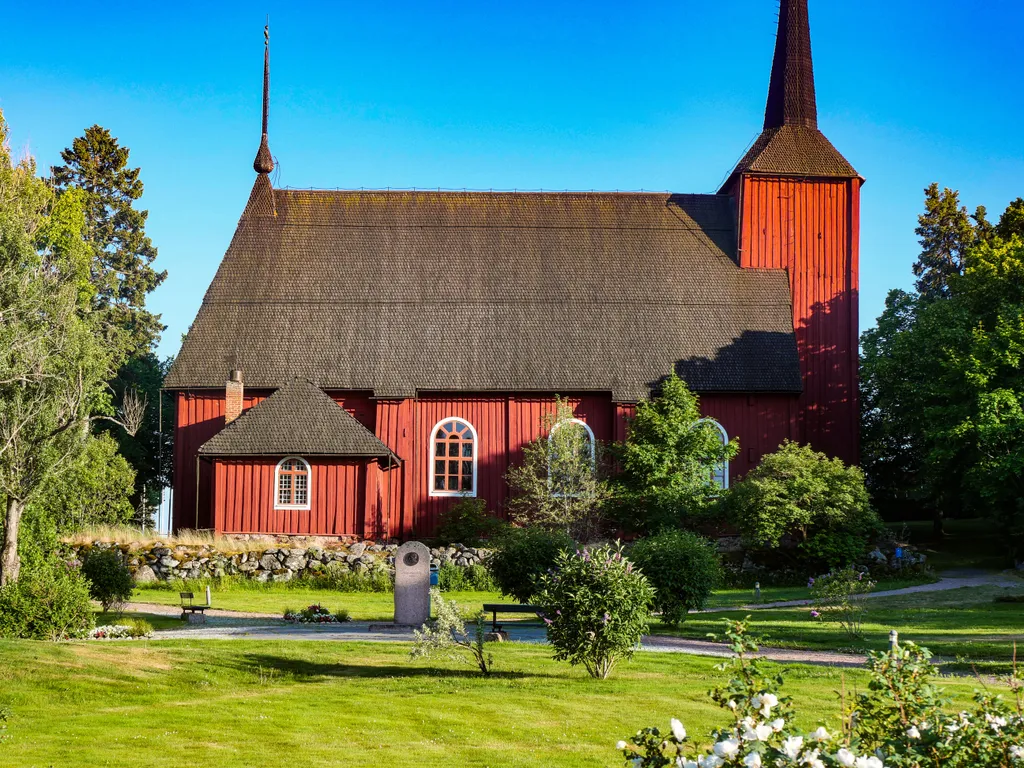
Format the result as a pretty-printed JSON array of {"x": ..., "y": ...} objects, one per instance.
[{"x": 798, "y": 208}]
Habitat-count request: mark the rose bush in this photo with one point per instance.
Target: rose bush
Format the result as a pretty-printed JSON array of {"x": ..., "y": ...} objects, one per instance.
[{"x": 900, "y": 722}]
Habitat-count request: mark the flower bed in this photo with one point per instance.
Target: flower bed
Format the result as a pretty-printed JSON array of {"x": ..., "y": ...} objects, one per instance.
[
  {"x": 130, "y": 631},
  {"x": 316, "y": 614}
]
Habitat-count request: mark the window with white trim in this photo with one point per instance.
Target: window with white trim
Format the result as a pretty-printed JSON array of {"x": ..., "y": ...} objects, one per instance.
[
  {"x": 720, "y": 470},
  {"x": 292, "y": 484},
  {"x": 580, "y": 439},
  {"x": 453, "y": 451}
]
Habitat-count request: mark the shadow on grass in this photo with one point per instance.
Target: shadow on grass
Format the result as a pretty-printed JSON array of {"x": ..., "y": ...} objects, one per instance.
[{"x": 304, "y": 670}]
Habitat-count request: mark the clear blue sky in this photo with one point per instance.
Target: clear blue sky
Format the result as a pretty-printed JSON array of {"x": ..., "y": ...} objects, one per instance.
[{"x": 596, "y": 95}]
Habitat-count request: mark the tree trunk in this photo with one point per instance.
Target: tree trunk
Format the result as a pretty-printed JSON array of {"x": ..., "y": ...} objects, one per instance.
[
  {"x": 938, "y": 524},
  {"x": 10, "y": 563}
]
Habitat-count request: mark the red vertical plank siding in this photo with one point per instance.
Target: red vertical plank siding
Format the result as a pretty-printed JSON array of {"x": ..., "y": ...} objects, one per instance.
[
  {"x": 758, "y": 422},
  {"x": 809, "y": 227},
  {"x": 244, "y": 498},
  {"x": 394, "y": 428}
]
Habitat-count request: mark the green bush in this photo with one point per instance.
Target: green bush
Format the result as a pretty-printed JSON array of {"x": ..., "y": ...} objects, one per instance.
[
  {"x": 49, "y": 601},
  {"x": 682, "y": 567},
  {"x": 522, "y": 555},
  {"x": 467, "y": 522},
  {"x": 110, "y": 581},
  {"x": 596, "y": 607},
  {"x": 801, "y": 495},
  {"x": 472, "y": 578}
]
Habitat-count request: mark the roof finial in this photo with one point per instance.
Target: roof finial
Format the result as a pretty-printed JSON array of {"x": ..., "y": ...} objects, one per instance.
[
  {"x": 791, "y": 98},
  {"x": 264, "y": 162}
]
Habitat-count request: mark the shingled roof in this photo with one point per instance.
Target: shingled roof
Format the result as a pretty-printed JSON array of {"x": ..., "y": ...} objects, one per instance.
[
  {"x": 298, "y": 418},
  {"x": 791, "y": 144},
  {"x": 406, "y": 292}
]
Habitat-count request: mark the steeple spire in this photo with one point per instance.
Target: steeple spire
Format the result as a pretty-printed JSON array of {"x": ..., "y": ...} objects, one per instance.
[
  {"x": 791, "y": 98},
  {"x": 264, "y": 162}
]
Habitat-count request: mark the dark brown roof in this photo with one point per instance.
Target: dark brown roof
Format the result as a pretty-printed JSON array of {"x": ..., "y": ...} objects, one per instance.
[
  {"x": 399, "y": 292},
  {"x": 297, "y": 419},
  {"x": 791, "y": 144}
]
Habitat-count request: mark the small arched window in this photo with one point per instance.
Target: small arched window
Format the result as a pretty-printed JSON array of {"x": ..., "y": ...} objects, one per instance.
[
  {"x": 720, "y": 470},
  {"x": 292, "y": 484},
  {"x": 575, "y": 436},
  {"x": 453, "y": 464}
]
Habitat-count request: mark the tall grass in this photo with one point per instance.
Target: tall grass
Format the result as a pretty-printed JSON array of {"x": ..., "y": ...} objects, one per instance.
[{"x": 123, "y": 534}]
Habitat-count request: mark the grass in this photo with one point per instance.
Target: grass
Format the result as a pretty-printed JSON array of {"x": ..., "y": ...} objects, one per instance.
[
  {"x": 240, "y": 703},
  {"x": 362, "y": 606},
  {"x": 726, "y": 598},
  {"x": 963, "y": 622},
  {"x": 158, "y": 620}
]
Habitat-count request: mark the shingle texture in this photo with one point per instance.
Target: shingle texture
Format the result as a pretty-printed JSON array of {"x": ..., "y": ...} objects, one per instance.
[
  {"x": 795, "y": 150},
  {"x": 404, "y": 292},
  {"x": 298, "y": 418}
]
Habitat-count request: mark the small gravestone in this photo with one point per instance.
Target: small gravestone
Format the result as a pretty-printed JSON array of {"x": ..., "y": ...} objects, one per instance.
[{"x": 412, "y": 584}]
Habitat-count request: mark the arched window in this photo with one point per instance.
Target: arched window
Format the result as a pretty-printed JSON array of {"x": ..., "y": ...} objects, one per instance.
[
  {"x": 292, "y": 484},
  {"x": 575, "y": 435},
  {"x": 720, "y": 471},
  {"x": 454, "y": 451}
]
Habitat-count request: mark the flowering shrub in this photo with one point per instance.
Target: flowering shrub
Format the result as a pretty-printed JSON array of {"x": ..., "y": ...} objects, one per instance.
[
  {"x": 596, "y": 608},
  {"x": 448, "y": 638},
  {"x": 898, "y": 723},
  {"x": 832, "y": 595},
  {"x": 130, "y": 630},
  {"x": 316, "y": 614}
]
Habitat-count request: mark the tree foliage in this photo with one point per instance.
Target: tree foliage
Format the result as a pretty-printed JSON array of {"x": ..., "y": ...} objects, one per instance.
[
  {"x": 799, "y": 494},
  {"x": 667, "y": 462},
  {"x": 560, "y": 482},
  {"x": 55, "y": 355},
  {"x": 121, "y": 269},
  {"x": 682, "y": 567}
]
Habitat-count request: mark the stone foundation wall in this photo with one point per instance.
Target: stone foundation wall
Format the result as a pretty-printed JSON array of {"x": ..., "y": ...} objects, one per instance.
[{"x": 163, "y": 562}]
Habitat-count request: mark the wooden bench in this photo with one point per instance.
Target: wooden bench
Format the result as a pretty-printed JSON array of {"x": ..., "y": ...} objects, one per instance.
[
  {"x": 189, "y": 609},
  {"x": 495, "y": 608}
]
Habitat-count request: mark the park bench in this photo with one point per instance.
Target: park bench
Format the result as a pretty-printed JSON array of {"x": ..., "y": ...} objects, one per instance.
[
  {"x": 495, "y": 608},
  {"x": 196, "y": 614}
]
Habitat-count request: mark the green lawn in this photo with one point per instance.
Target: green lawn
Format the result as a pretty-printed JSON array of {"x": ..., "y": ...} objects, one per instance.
[
  {"x": 725, "y": 598},
  {"x": 157, "y": 620},
  {"x": 960, "y": 622},
  {"x": 362, "y": 606},
  {"x": 965, "y": 544},
  {"x": 164, "y": 704}
]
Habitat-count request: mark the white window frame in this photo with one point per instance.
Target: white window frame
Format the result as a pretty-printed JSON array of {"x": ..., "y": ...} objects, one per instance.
[
  {"x": 593, "y": 447},
  {"x": 432, "y": 447},
  {"x": 724, "y": 464},
  {"x": 277, "y": 486}
]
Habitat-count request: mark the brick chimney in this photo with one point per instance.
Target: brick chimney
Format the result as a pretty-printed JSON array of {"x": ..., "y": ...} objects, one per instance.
[{"x": 233, "y": 396}]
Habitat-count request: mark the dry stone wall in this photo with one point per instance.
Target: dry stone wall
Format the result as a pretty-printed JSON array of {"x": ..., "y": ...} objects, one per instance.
[{"x": 161, "y": 561}]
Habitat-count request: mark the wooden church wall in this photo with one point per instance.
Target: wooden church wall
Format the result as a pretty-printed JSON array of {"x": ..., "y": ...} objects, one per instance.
[
  {"x": 245, "y": 489},
  {"x": 810, "y": 228}
]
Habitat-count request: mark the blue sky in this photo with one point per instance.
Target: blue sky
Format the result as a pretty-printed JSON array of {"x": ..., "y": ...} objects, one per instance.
[{"x": 597, "y": 95}]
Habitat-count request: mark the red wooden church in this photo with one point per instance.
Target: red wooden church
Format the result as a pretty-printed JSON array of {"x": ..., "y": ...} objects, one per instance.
[{"x": 363, "y": 358}]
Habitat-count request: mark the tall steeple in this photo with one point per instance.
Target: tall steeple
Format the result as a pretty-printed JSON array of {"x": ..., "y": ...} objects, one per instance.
[
  {"x": 264, "y": 162},
  {"x": 791, "y": 144},
  {"x": 791, "y": 91}
]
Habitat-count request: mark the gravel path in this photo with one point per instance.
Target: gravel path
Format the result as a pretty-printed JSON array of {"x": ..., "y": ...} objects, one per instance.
[{"x": 947, "y": 580}]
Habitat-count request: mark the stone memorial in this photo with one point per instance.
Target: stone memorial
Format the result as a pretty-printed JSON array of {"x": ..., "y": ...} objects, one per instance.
[{"x": 412, "y": 584}]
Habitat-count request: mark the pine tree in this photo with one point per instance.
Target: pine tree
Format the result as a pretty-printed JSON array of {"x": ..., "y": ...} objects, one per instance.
[
  {"x": 1012, "y": 221},
  {"x": 946, "y": 233},
  {"x": 121, "y": 270}
]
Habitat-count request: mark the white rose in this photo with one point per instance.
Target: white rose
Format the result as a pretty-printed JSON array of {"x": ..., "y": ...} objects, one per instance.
[
  {"x": 791, "y": 747},
  {"x": 710, "y": 761},
  {"x": 755, "y": 702},
  {"x": 764, "y": 732},
  {"x": 820, "y": 735},
  {"x": 777, "y": 724},
  {"x": 769, "y": 700},
  {"x": 845, "y": 758},
  {"x": 913, "y": 733},
  {"x": 620, "y": 745},
  {"x": 753, "y": 760},
  {"x": 811, "y": 759},
  {"x": 727, "y": 748},
  {"x": 730, "y": 704},
  {"x": 682, "y": 762},
  {"x": 1017, "y": 752},
  {"x": 677, "y": 730}
]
